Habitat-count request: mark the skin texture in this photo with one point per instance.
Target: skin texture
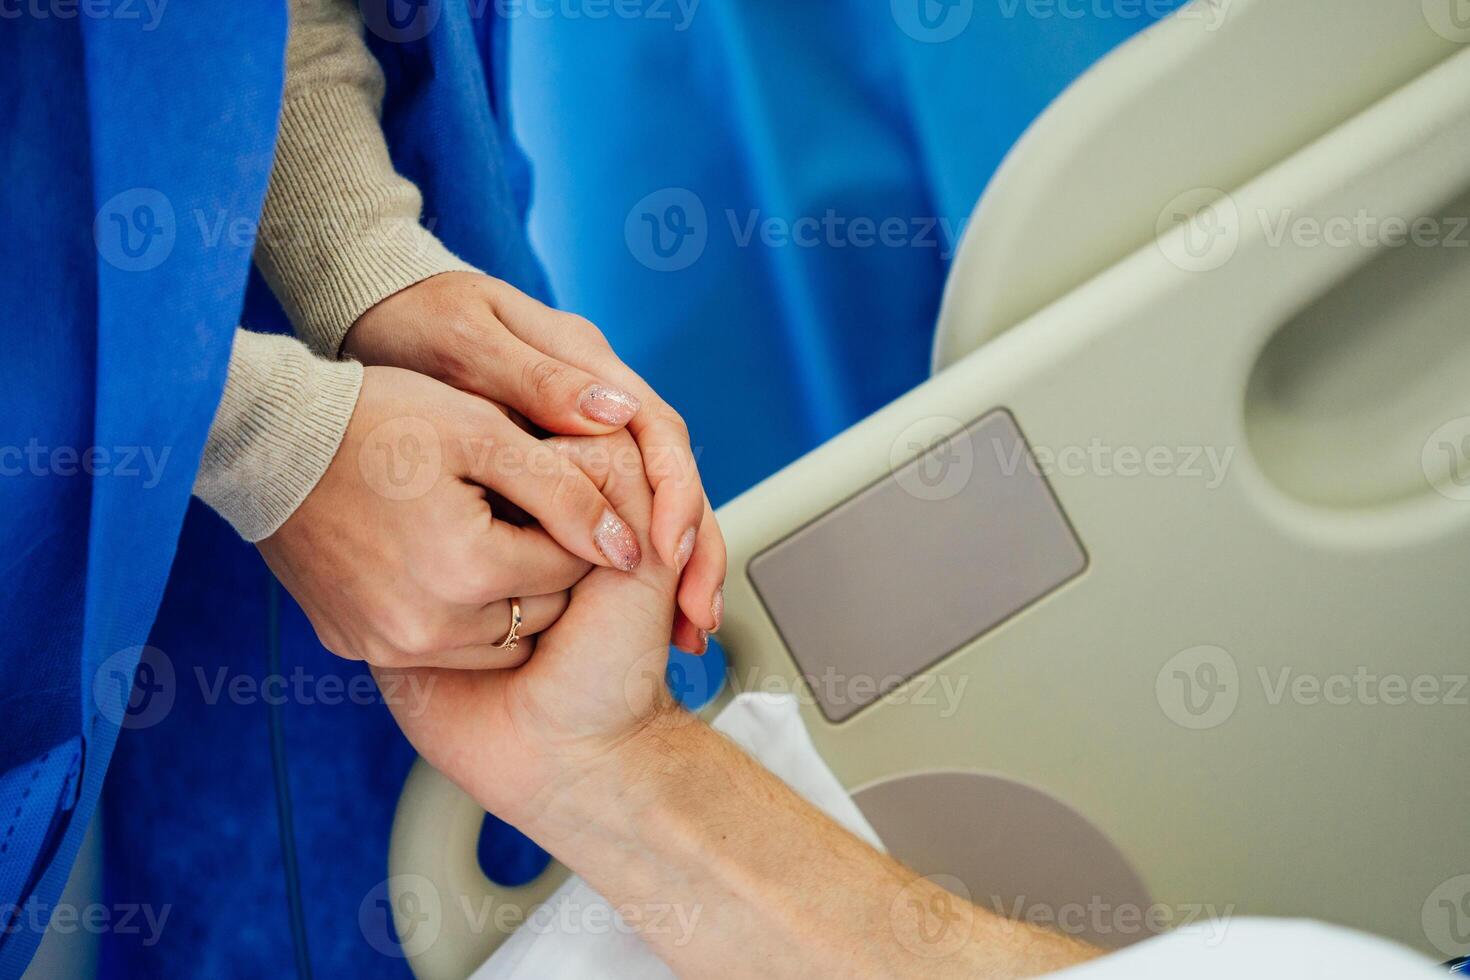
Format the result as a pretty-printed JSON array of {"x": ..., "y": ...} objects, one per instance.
[
  {"x": 582, "y": 748},
  {"x": 482, "y": 335},
  {"x": 402, "y": 553}
]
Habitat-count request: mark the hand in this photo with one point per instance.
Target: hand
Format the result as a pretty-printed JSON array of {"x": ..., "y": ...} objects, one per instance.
[
  {"x": 482, "y": 335},
  {"x": 398, "y": 557},
  {"x": 515, "y": 738},
  {"x": 576, "y": 748}
]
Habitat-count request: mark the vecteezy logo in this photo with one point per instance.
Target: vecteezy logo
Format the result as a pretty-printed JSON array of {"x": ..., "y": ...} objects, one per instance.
[
  {"x": 932, "y": 916},
  {"x": 932, "y": 21},
  {"x": 1446, "y": 917},
  {"x": 1199, "y": 688},
  {"x": 1446, "y": 459},
  {"x": 134, "y": 688},
  {"x": 667, "y": 230},
  {"x": 1199, "y": 230},
  {"x": 932, "y": 459},
  {"x": 652, "y": 677},
  {"x": 1211, "y": 13},
  {"x": 680, "y": 684},
  {"x": 1450, "y": 19},
  {"x": 135, "y": 230},
  {"x": 400, "y": 21},
  {"x": 406, "y": 907},
  {"x": 401, "y": 458}
]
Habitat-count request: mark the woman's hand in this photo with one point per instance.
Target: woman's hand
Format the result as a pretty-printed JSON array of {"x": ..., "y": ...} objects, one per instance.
[
  {"x": 397, "y": 556},
  {"x": 484, "y": 336}
]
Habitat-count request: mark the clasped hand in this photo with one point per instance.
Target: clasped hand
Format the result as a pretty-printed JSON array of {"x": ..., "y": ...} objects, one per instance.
[{"x": 443, "y": 503}]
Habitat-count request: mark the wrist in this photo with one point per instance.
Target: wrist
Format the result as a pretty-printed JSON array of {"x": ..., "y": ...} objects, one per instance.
[
  {"x": 408, "y": 328},
  {"x": 593, "y": 792},
  {"x": 279, "y": 424},
  {"x": 340, "y": 229}
]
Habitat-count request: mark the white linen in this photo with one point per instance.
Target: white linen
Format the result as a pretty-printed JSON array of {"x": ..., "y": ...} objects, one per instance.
[{"x": 576, "y": 934}]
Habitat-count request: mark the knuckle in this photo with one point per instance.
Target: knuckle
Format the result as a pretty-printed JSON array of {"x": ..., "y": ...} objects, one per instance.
[
  {"x": 624, "y": 460},
  {"x": 600, "y": 457},
  {"x": 718, "y": 554},
  {"x": 572, "y": 493},
  {"x": 671, "y": 457},
  {"x": 462, "y": 340},
  {"x": 492, "y": 290},
  {"x": 545, "y": 377},
  {"x": 384, "y": 655},
  {"x": 411, "y": 639},
  {"x": 476, "y": 581},
  {"x": 675, "y": 424},
  {"x": 585, "y": 329},
  {"x": 619, "y": 453},
  {"x": 335, "y": 644}
]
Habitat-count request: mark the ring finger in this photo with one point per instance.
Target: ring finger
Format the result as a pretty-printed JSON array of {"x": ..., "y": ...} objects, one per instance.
[
  {"x": 538, "y": 613},
  {"x": 486, "y": 628}
]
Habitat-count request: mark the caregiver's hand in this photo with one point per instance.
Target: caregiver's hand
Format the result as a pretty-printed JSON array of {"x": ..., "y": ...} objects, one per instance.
[
  {"x": 482, "y": 335},
  {"x": 396, "y": 555}
]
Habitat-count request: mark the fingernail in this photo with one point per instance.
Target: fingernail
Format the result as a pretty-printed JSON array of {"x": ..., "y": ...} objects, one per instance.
[
  {"x": 685, "y": 549},
  {"x": 616, "y": 542},
  {"x": 703, "y": 641},
  {"x": 717, "y": 607},
  {"x": 610, "y": 406}
]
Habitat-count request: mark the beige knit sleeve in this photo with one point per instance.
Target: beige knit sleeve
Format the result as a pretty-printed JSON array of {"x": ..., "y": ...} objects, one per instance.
[
  {"x": 341, "y": 229},
  {"x": 278, "y": 425},
  {"x": 339, "y": 232}
]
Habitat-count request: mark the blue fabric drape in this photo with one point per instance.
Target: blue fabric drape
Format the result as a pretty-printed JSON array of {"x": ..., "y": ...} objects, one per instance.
[
  {"x": 844, "y": 115},
  {"x": 120, "y": 317},
  {"x": 202, "y": 839}
]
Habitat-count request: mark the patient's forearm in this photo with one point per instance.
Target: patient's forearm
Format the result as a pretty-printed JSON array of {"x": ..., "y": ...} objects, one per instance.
[{"x": 725, "y": 871}]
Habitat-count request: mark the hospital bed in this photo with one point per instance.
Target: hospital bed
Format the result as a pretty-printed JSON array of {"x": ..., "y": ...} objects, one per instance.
[{"x": 1154, "y": 595}]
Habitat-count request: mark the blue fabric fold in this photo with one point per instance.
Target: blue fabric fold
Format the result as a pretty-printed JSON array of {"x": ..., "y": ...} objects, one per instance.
[
  {"x": 121, "y": 314},
  {"x": 202, "y": 840},
  {"x": 751, "y": 115}
]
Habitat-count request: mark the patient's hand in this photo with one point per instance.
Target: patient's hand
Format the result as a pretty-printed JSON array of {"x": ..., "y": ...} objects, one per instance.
[
  {"x": 515, "y": 738},
  {"x": 583, "y": 749}
]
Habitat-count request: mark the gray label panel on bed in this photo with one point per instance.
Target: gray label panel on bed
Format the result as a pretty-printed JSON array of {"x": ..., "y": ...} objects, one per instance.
[{"x": 914, "y": 567}]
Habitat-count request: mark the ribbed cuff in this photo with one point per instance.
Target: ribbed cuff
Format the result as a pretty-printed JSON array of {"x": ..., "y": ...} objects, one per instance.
[
  {"x": 341, "y": 229},
  {"x": 279, "y": 424}
]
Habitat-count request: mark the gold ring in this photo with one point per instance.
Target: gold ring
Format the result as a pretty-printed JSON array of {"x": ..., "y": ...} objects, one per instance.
[{"x": 513, "y": 636}]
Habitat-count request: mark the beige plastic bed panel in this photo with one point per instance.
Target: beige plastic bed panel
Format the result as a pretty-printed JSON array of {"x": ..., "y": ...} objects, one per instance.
[
  {"x": 1262, "y": 444},
  {"x": 1211, "y": 98},
  {"x": 1248, "y": 697}
]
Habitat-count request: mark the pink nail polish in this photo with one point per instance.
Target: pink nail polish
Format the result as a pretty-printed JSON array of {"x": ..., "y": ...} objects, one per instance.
[
  {"x": 717, "y": 607},
  {"x": 685, "y": 549},
  {"x": 610, "y": 406},
  {"x": 703, "y": 641},
  {"x": 616, "y": 542}
]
